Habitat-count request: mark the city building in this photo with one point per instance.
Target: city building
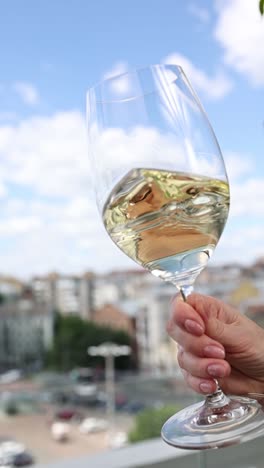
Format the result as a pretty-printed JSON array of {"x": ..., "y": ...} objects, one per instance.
[
  {"x": 68, "y": 294},
  {"x": 26, "y": 332},
  {"x": 87, "y": 288},
  {"x": 10, "y": 287},
  {"x": 157, "y": 352},
  {"x": 117, "y": 286},
  {"x": 106, "y": 291},
  {"x": 44, "y": 289},
  {"x": 135, "y": 298},
  {"x": 113, "y": 317}
]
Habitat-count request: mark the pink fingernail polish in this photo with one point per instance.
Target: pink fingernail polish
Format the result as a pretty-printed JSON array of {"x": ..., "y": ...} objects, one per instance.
[
  {"x": 206, "y": 387},
  {"x": 193, "y": 327},
  {"x": 216, "y": 370},
  {"x": 214, "y": 352}
]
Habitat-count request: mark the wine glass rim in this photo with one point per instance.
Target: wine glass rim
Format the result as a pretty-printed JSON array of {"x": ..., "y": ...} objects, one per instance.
[{"x": 132, "y": 71}]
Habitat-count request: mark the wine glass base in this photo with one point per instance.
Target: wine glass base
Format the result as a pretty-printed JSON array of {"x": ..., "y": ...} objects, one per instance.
[{"x": 203, "y": 427}]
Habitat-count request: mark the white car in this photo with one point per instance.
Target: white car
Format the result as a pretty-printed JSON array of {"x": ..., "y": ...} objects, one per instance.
[
  {"x": 92, "y": 425},
  {"x": 60, "y": 431},
  {"x": 11, "y": 452},
  {"x": 85, "y": 390},
  {"x": 10, "y": 376},
  {"x": 11, "y": 447}
]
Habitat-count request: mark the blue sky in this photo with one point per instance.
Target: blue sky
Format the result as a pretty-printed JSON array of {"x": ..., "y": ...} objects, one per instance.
[{"x": 51, "y": 52}]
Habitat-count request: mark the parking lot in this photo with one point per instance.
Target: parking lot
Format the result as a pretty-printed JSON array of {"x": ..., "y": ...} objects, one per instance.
[
  {"x": 34, "y": 431},
  {"x": 50, "y": 398}
]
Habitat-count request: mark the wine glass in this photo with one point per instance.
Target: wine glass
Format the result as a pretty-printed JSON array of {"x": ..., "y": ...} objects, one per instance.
[{"x": 163, "y": 194}]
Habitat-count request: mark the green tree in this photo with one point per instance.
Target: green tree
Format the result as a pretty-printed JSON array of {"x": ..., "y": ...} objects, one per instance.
[
  {"x": 72, "y": 338},
  {"x": 11, "y": 408},
  {"x": 261, "y": 7},
  {"x": 2, "y": 298},
  {"x": 148, "y": 423}
]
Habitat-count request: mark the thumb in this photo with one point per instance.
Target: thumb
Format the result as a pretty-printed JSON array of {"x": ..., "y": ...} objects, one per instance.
[
  {"x": 224, "y": 333},
  {"x": 220, "y": 319}
]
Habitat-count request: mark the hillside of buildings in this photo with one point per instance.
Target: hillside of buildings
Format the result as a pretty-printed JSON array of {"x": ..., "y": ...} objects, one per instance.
[{"x": 131, "y": 301}]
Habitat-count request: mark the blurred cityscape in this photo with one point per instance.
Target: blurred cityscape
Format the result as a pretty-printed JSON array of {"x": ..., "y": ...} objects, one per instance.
[
  {"x": 133, "y": 301},
  {"x": 49, "y": 381}
]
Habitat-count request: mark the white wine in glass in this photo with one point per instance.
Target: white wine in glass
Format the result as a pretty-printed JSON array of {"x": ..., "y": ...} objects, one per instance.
[
  {"x": 163, "y": 194},
  {"x": 168, "y": 222}
]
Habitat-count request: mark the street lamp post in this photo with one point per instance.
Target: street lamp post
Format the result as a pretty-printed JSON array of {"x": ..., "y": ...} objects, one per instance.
[{"x": 109, "y": 351}]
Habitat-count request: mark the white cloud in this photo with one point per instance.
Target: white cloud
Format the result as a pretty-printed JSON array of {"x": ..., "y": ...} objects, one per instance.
[
  {"x": 240, "y": 31},
  {"x": 19, "y": 225},
  {"x": 247, "y": 190},
  {"x": 47, "y": 154},
  {"x": 240, "y": 244},
  {"x": 121, "y": 84},
  {"x": 50, "y": 221},
  {"x": 242, "y": 240},
  {"x": 238, "y": 165},
  {"x": 201, "y": 13},
  {"x": 65, "y": 236},
  {"x": 3, "y": 190},
  {"x": 213, "y": 87},
  {"x": 8, "y": 116},
  {"x": 54, "y": 223},
  {"x": 117, "y": 69},
  {"x": 247, "y": 198},
  {"x": 27, "y": 92}
]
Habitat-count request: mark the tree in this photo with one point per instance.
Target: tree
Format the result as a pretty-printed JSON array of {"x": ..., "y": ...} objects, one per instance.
[
  {"x": 148, "y": 423},
  {"x": 72, "y": 338},
  {"x": 2, "y": 298},
  {"x": 261, "y": 7}
]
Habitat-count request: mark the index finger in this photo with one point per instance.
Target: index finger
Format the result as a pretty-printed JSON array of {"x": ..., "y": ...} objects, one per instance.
[{"x": 186, "y": 317}]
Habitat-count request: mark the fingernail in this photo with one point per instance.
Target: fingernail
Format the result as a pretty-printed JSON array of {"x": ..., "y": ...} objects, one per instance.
[
  {"x": 193, "y": 327},
  {"x": 216, "y": 370},
  {"x": 206, "y": 387},
  {"x": 214, "y": 352}
]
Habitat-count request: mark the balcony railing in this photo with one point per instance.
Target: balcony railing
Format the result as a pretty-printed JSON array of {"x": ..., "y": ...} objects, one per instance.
[{"x": 156, "y": 454}]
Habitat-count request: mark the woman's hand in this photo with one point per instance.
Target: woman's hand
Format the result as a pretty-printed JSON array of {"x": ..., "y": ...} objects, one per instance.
[{"x": 217, "y": 342}]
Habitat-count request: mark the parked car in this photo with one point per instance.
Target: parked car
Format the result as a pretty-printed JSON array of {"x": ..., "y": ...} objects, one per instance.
[
  {"x": 23, "y": 459},
  {"x": 11, "y": 376},
  {"x": 83, "y": 375},
  {"x": 120, "y": 401},
  {"x": 14, "y": 454},
  {"x": 68, "y": 414},
  {"x": 133, "y": 407},
  {"x": 84, "y": 388},
  {"x": 60, "y": 431},
  {"x": 88, "y": 391},
  {"x": 60, "y": 397}
]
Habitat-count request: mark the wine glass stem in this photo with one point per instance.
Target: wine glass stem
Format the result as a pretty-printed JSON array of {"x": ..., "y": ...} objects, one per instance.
[
  {"x": 217, "y": 399},
  {"x": 185, "y": 291}
]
